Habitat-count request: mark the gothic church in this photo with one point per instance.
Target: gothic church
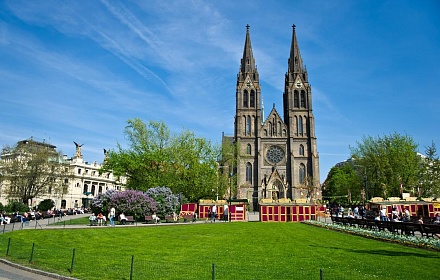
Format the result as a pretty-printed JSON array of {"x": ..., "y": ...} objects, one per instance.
[{"x": 277, "y": 158}]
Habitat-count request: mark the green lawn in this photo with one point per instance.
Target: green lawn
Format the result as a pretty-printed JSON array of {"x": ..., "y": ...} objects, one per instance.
[{"x": 237, "y": 250}]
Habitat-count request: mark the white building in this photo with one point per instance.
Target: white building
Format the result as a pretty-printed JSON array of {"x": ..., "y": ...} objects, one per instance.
[{"x": 82, "y": 183}]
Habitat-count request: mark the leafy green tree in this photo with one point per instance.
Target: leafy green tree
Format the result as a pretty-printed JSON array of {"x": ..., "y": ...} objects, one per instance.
[
  {"x": 343, "y": 183},
  {"x": 184, "y": 163},
  {"x": 430, "y": 173},
  {"x": 33, "y": 169},
  {"x": 388, "y": 161}
]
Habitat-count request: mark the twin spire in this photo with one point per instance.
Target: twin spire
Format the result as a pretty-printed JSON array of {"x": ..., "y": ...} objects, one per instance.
[{"x": 295, "y": 63}]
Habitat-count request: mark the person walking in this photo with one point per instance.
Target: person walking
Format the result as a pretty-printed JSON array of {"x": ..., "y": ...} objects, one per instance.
[
  {"x": 214, "y": 212},
  {"x": 225, "y": 213}
]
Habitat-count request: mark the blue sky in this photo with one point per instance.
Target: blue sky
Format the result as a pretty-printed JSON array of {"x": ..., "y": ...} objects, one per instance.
[{"x": 77, "y": 70}]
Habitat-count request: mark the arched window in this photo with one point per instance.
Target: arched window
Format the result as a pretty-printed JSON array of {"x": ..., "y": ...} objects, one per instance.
[
  {"x": 303, "y": 99},
  {"x": 249, "y": 173},
  {"x": 301, "y": 150},
  {"x": 248, "y": 125},
  {"x": 280, "y": 129},
  {"x": 248, "y": 149},
  {"x": 252, "y": 99},
  {"x": 296, "y": 99},
  {"x": 300, "y": 125},
  {"x": 270, "y": 128},
  {"x": 245, "y": 98},
  {"x": 302, "y": 173}
]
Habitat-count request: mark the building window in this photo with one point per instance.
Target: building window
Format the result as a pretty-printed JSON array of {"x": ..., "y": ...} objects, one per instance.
[
  {"x": 301, "y": 150},
  {"x": 248, "y": 149},
  {"x": 93, "y": 190},
  {"x": 302, "y": 173},
  {"x": 79, "y": 171},
  {"x": 280, "y": 129},
  {"x": 270, "y": 128},
  {"x": 300, "y": 125},
  {"x": 100, "y": 189},
  {"x": 86, "y": 188},
  {"x": 295, "y": 99},
  {"x": 245, "y": 98},
  {"x": 303, "y": 99},
  {"x": 249, "y": 173},
  {"x": 252, "y": 99}
]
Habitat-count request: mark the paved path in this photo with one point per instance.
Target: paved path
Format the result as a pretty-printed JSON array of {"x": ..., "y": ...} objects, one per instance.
[{"x": 13, "y": 271}]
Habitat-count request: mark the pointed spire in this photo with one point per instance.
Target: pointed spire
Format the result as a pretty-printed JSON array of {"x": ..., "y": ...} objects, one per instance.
[
  {"x": 248, "y": 61},
  {"x": 295, "y": 60}
]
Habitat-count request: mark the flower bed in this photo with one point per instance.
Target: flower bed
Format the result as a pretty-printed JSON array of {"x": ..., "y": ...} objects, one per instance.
[{"x": 407, "y": 240}]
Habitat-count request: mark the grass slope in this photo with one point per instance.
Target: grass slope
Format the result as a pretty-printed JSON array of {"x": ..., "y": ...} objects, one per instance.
[{"x": 238, "y": 251}]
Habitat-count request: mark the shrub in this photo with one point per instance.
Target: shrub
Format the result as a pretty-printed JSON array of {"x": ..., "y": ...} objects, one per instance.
[
  {"x": 46, "y": 204},
  {"x": 16, "y": 206},
  {"x": 101, "y": 201},
  {"x": 166, "y": 201},
  {"x": 133, "y": 202}
]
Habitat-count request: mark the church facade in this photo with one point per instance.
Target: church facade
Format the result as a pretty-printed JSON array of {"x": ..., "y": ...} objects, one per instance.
[{"x": 276, "y": 157}]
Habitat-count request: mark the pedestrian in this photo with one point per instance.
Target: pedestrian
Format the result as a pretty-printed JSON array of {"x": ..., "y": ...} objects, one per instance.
[
  {"x": 225, "y": 213},
  {"x": 112, "y": 216},
  {"x": 214, "y": 213}
]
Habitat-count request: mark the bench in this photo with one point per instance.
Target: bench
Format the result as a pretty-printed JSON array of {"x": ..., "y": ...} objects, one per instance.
[
  {"x": 430, "y": 230},
  {"x": 148, "y": 219},
  {"x": 188, "y": 217},
  {"x": 169, "y": 218}
]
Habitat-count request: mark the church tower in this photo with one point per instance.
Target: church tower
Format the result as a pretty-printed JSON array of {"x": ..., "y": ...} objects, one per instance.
[{"x": 276, "y": 158}]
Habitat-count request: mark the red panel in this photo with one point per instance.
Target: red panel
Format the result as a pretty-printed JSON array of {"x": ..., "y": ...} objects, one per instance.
[
  {"x": 306, "y": 209},
  {"x": 313, "y": 210},
  {"x": 301, "y": 209},
  {"x": 294, "y": 218},
  {"x": 294, "y": 210}
]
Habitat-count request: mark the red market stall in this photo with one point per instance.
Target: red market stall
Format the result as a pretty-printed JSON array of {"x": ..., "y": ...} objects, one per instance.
[
  {"x": 237, "y": 209},
  {"x": 286, "y": 211},
  {"x": 415, "y": 207}
]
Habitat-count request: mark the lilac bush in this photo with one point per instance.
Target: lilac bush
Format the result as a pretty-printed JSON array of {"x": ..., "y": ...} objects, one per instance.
[
  {"x": 133, "y": 202},
  {"x": 167, "y": 202},
  {"x": 101, "y": 201}
]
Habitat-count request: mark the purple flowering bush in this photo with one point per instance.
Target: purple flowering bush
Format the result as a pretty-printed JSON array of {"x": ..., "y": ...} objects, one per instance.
[
  {"x": 133, "y": 202},
  {"x": 101, "y": 201},
  {"x": 167, "y": 202}
]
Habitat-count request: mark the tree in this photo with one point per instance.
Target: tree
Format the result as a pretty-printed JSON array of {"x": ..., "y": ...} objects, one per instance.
[
  {"x": 389, "y": 162},
  {"x": 33, "y": 169},
  {"x": 430, "y": 173},
  {"x": 194, "y": 166},
  {"x": 342, "y": 181},
  {"x": 184, "y": 163}
]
